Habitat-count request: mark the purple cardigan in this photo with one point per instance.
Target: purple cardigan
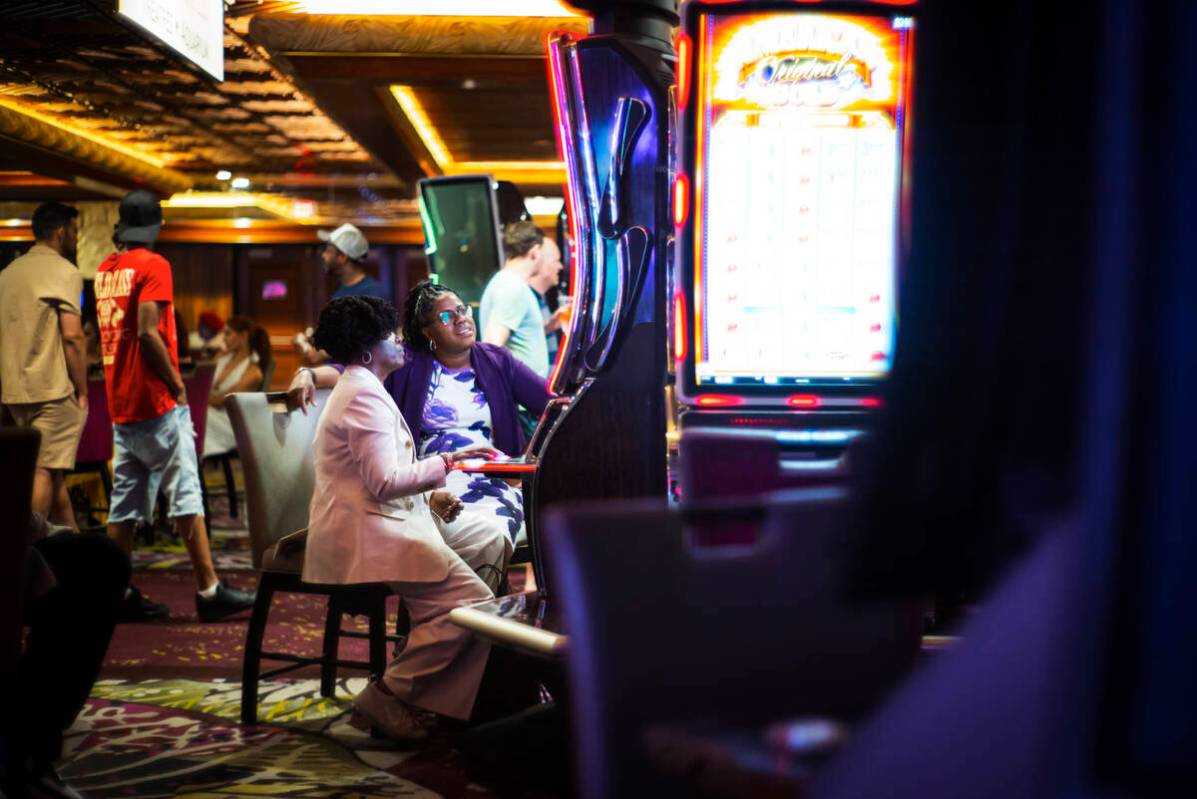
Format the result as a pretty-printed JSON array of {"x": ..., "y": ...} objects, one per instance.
[{"x": 503, "y": 380}]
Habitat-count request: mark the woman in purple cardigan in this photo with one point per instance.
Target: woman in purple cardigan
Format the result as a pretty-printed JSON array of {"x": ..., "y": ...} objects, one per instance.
[{"x": 457, "y": 393}]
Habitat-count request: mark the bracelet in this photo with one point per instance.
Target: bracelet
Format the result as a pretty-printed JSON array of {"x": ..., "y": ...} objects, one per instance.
[{"x": 310, "y": 371}]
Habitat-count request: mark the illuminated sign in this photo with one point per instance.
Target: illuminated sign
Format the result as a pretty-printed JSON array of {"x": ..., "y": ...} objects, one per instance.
[
  {"x": 192, "y": 28},
  {"x": 797, "y": 175}
]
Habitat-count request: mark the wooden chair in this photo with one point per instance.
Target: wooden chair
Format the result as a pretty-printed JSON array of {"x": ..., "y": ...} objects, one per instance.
[
  {"x": 276, "y": 456},
  {"x": 663, "y": 633}
]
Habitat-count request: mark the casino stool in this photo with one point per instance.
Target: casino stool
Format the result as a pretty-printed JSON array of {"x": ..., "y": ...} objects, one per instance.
[
  {"x": 276, "y": 455},
  {"x": 741, "y": 636}
]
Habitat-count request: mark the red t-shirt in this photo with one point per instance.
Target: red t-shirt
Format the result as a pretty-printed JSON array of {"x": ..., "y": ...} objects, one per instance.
[{"x": 135, "y": 391}]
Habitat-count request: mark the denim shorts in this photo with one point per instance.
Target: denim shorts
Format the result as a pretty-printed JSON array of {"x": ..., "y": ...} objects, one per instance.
[{"x": 156, "y": 453}]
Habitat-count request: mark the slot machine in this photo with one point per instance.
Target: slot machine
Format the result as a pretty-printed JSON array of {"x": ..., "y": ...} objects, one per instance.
[
  {"x": 463, "y": 239},
  {"x": 604, "y": 437},
  {"x": 791, "y": 207}
]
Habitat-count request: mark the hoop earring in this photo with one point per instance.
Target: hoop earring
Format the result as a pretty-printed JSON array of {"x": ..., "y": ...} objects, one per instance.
[
  {"x": 431, "y": 345},
  {"x": 367, "y": 358}
]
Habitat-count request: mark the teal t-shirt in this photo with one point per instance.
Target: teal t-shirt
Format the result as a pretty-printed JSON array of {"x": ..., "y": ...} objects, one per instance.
[{"x": 510, "y": 301}]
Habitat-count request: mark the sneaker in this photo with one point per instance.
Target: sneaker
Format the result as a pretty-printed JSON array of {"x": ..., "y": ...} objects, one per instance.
[
  {"x": 135, "y": 607},
  {"x": 227, "y": 601},
  {"x": 389, "y": 715}
]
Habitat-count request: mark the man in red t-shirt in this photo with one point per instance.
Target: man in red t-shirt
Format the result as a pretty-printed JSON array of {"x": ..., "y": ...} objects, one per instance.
[{"x": 153, "y": 438}]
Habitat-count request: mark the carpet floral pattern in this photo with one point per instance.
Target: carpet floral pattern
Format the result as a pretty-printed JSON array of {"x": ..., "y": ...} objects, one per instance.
[{"x": 164, "y": 738}]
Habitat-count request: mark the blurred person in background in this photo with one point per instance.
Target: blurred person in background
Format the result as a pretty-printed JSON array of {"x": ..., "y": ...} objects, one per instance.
[
  {"x": 43, "y": 353},
  {"x": 344, "y": 257},
  {"x": 153, "y": 437},
  {"x": 206, "y": 341},
  {"x": 240, "y": 368}
]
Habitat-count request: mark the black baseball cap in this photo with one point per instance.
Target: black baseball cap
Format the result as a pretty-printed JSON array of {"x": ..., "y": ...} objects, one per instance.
[{"x": 140, "y": 218}]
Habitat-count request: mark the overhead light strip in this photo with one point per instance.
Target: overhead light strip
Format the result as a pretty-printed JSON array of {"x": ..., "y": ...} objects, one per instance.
[
  {"x": 440, "y": 8},
  {"x": 405, "y": 96},
  {"x": 20, "y": 108}
]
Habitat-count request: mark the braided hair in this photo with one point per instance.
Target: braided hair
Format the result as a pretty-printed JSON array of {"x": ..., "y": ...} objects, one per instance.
[
  {"x": 348, "y": 326},
  {"x": 415, "y": 308}
]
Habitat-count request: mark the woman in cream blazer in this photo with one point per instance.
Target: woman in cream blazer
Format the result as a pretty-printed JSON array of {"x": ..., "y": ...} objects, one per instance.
[{"x": 372, "y": 520}]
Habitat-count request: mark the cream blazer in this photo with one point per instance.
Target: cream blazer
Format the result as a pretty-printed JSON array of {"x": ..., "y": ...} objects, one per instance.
[{"x": 370, "y": 520}]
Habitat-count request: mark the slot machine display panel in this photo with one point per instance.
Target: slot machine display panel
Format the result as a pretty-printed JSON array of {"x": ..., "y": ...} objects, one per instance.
[{"x": 790, "y": 203}]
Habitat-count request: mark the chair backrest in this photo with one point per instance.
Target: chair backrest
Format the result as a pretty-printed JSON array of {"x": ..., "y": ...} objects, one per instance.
[
  {"x": 268, "y": 374},
  {"x": 19, "y": 445},
  {"x": 662, "y": 633},
  {"x": 276, "y": 459},
  {"x": 199, "y": 386},
  {"x": 95, "y": 444}
]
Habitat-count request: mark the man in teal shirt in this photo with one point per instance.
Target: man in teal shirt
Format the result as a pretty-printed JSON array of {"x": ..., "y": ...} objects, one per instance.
[{"x": 509, "y": 314}]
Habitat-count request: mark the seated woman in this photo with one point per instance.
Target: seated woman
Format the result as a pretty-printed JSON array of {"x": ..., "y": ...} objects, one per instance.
[
  {"x": 456, "y": 393},
  {"x": 247, "y": 355},
  {"x": 372, "y": 520}
]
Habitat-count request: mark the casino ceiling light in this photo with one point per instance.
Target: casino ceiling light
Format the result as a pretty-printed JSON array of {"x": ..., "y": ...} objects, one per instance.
[
  {"x": 515, "y": 171},
  {"x": 441, "y": 8},
  {"x": 281, "y": 207},
  {"x": 74, "y": 130}
]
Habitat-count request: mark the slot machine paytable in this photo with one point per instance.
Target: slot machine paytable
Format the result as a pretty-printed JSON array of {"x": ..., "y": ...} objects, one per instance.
[{"x": 791, "y": 203}]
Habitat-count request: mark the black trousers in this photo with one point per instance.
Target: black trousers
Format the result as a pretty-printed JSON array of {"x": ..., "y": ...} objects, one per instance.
[{"x": 69, "y": 630}]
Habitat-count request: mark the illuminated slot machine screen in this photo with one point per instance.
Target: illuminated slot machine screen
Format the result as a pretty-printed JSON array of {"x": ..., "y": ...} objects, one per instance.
[
  {"x": 794, "y": 149},
  {"x": 462, "y": 236}
]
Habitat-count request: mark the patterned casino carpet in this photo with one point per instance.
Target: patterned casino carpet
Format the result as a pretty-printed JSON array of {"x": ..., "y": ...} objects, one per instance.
[
  {"x": 163, "y": 719},
  {"x": 163, "y": 738}
]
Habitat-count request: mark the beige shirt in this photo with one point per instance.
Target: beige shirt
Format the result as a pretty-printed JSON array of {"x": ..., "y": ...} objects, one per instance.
[{"x": 33, "y": 289}]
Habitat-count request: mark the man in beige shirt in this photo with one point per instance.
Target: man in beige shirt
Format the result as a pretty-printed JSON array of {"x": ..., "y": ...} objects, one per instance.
[{"x": 43, "y": 355}]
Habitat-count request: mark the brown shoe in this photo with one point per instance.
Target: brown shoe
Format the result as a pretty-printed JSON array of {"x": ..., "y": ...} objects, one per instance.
[{"x": 389, "y": 715}]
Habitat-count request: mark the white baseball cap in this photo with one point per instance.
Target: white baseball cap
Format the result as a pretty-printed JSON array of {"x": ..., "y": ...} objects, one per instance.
[{"x": 348, "y": 239}]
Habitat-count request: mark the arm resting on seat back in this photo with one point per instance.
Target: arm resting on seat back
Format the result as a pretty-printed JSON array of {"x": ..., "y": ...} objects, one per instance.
[{"x": 371, "y": 435}]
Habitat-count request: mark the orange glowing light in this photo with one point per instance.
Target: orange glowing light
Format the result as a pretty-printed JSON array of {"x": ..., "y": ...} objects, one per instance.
[
  {"x": 681, "y": 199},
  {"x": 683, "y": 71},
  {"x": 679, "y": 327},
  {"x": 803, "y": 401},
  {"x": 719, "y": 400}
]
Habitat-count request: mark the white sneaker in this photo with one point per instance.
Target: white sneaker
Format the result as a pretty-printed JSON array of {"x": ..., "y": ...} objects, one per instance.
[{"x": 389, "y": 715}]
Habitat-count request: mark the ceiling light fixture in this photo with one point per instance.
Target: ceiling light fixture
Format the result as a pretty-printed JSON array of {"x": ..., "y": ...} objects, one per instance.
[
  {"x": 275, "y": 205},
  {"x": 441, "y": 8},
  {"x": 240, "y": 183},
  {"x": 515, "y": 171},
  {"x": 224, "y": 174}
]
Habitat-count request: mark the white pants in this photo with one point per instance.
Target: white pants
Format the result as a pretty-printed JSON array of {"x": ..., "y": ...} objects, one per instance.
[{"x": 483, "y": 545}]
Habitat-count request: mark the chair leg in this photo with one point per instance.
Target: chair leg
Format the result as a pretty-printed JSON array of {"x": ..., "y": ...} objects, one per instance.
[
  {"x": 378, "y": 636},
  {"x": 253, "y": 650},
  {"x": 226, "y": 463},
  {"x": 332, "y": 641},
  {"x": 106, "y": 479}
]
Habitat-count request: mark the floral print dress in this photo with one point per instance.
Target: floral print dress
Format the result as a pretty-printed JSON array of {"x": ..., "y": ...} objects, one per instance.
[{"x": 456, "y": 417}]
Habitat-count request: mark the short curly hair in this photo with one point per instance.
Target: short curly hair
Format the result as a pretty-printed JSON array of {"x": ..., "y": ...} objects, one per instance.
[
  {"x": 415, "y": 309},
  {"x": 348, "y": 326}
]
